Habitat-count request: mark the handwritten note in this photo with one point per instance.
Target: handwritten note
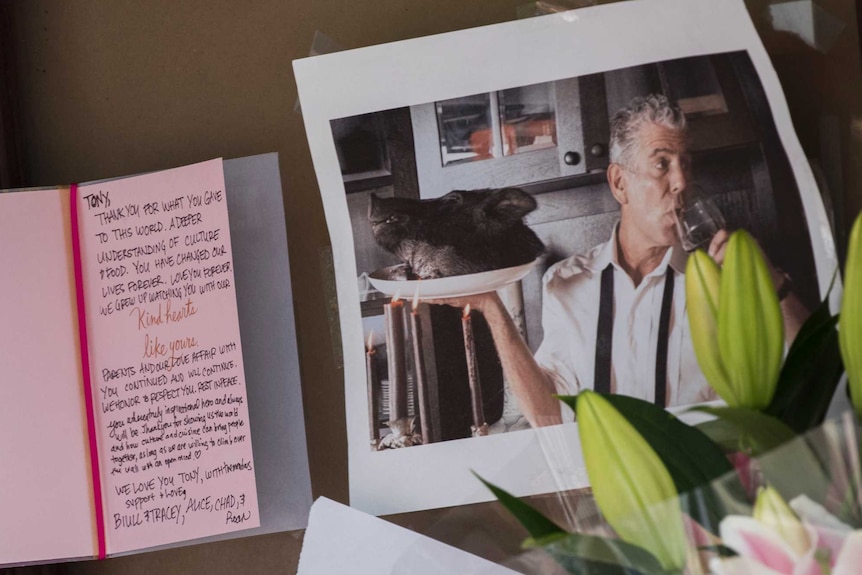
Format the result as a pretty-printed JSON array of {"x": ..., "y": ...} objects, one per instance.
[{"x": 166, "y": 359}]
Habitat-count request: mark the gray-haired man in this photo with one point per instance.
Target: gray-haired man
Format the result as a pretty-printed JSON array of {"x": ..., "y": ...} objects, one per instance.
[{"x": 615, "y": 318}]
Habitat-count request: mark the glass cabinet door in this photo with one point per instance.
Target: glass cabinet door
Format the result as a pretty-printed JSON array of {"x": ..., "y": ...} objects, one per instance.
[
  {"x": 466, "y": 129},
  {"x": 509, "y": 137},
  {"x": 527, "y": 118}
]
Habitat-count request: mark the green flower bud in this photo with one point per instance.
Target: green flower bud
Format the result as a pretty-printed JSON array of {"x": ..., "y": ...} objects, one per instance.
[
  {"x": 771, "y": 510},
  {"x": 632, "y": 487},
  {"x": 850, "y": 323},
  {"x": 736, "y": 324},
  {"x": 750, "y": 324},
  {"x": 702, "y": 285}
]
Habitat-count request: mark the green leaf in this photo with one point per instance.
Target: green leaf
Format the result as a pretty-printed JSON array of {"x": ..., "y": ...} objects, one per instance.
[
  {"x": 756, "y": 431},
  {"x": 724, "y": 434},
  {"x": 581, "y": 553},
  {"x": 536, "y": 524},
  {"x": 811, "y": 371},
  {"x": 809, "y": 379},
  {"x": 570, "y": 400}
]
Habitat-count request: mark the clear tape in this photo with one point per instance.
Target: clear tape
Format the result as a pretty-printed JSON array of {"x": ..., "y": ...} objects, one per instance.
[
  {"x": 806, "y": 19},
  {"x": 540, "y": 7}
]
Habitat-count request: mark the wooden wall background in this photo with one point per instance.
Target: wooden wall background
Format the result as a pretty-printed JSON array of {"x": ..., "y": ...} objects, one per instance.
[{"x": 114, "y": 87}]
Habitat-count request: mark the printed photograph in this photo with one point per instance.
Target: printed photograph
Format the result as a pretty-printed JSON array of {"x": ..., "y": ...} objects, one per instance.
[{"x": 531, "y": 241}]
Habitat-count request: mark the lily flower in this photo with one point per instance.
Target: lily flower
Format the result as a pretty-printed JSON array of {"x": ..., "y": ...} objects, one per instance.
[
  {"x": 736, "y": 323},
  {"x": 779, "y": 541},
  {"x": 850, "y": 323},
  {"x": 631, "y": 485}
]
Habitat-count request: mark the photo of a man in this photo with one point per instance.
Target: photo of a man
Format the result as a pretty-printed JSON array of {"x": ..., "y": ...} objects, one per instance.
[
  {"x": 611, "y": 180},
  {"x": 610, "y": 150}
]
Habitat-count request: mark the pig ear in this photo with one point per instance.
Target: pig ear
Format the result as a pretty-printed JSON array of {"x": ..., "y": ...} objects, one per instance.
[
  {"x": 509, "y": 204},
  {"x": 455, "y": 197}
]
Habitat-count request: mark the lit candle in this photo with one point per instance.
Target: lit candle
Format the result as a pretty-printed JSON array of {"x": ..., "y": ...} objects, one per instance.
[
  {"x": 421, "y": 388},
  {"x": 393, "y": 313},
  {"x": 479, "y": 425},
  {"x": 373, "y": 389}
]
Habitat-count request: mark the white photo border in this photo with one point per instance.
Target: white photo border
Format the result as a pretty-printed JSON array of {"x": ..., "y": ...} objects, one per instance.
[{"x": 455, "y": 64}]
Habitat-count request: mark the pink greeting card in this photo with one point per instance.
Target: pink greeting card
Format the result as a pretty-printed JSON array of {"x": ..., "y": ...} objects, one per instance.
[{"x": 165, "y": 453}]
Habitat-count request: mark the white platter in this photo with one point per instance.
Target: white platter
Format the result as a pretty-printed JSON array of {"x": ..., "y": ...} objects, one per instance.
[{"x": 455, "y": 286}]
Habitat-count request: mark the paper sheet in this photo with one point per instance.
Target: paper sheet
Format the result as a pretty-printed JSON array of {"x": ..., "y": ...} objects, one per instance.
[
  {"x": 46, "y": 497},
  {"x": 169, "y": 387},
  {"x": 613, "y": 53},
  {"x": 342, "y": 540}
]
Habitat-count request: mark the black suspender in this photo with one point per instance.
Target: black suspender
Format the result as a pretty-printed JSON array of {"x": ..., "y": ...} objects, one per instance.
[
  {"x": 604, "y": 336},
  {"x": 605, "y": 333},
  {"x": 661, "y": 348}
]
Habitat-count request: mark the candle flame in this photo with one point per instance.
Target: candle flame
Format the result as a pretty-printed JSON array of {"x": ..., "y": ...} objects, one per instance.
[
  {"x": 397, "y": 296},
  {"x": 467, "y": 311},
  {"x": 371, "y": 341}
]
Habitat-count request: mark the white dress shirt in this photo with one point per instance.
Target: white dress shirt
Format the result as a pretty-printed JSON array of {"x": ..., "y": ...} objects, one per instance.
[{"x": 570, "y": 310}]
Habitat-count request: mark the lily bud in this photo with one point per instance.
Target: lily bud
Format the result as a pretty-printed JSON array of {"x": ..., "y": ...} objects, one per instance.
[
  {"x": 736, "y": 324},
  {"x": 632, "y": 487},
  {"x": 702, "y": 286},
  {"x": 750, "y": 324},
  {"x": 771, "y": 510},
  {"x": 850, "y": 323}
]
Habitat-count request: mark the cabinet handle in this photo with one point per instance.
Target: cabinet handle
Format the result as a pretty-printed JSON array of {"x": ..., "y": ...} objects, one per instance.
[
  {"x": 572, "y": 158},
  {"x": 597, "y": 150}
]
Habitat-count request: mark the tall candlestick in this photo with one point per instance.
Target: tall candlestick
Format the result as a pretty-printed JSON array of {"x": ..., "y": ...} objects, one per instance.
[
  {"x": 393, "y": 313},
  {"x": 373, "y": 390},
  {"x": 479, "y": 425},
  {"x": 421, "y": 389}
]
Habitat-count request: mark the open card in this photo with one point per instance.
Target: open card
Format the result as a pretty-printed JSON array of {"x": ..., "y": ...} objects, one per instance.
[{"x": 143, "y": 286}]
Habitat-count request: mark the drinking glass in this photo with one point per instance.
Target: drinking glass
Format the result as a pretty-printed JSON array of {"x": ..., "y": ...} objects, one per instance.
[{"x": 698, "y": 220}]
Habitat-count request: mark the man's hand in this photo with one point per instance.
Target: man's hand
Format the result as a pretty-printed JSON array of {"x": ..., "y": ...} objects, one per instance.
[
  {"x": 718, "y": 246},
  {"x": 479, "y": 302}
]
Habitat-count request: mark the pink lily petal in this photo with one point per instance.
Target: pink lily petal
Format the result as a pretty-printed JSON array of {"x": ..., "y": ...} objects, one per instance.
[
  {"x": 829, "y": 531},
  {"x": 749, "y": 565},
  {"x": 849, "y": 560},
  {"x": 752, "y": 539},
  {"x": 808, "y": 565},
  {"x": 740, "y": 566},
  {"x": 830, "y": 540}
]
